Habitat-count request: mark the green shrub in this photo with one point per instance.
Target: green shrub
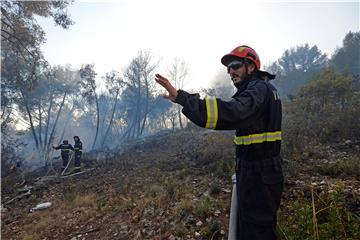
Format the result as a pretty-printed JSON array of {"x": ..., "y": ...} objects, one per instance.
[
  {"x": 205, "y": 208},
  {"x": 180, "y": 230},
  {"x": 332, "y": 219},
  {"x": 215, "y": 188}
]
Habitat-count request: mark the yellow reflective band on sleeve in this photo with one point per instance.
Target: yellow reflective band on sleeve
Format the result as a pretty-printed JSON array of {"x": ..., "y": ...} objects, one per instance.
[
  {"x": 212, "y": 112},
  {"x": 258, "y": 138}
]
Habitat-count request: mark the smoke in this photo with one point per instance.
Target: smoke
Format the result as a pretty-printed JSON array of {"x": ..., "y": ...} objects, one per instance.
[{"x": 221, "y": 85}]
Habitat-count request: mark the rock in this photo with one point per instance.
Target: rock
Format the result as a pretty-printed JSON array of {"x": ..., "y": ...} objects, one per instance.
[
  {"x": 124, "y": 227},
  {"x": 197, "y": 235},
  {"x": 199, "y": 223},
  {"x": 299, "y": 182},
  {"x": 226, "y": 190},
  {"x": 348, "y": 142},
  {"x": 189, "y": 219},
  {"x": 222, "y": 232},
  {"x": 172, "y": 237},
  {"x": 217, "y": 213}
]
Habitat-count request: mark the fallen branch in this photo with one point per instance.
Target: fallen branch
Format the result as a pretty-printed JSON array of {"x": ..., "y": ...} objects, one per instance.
[
  {"x": 18, "y": 197},
  {"x": 67, "y": 165},
  {"x": 78, "y": 173}
]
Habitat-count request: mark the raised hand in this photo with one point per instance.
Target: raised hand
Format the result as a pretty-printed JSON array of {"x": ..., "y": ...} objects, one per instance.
[{"x": 165, "y": 83}]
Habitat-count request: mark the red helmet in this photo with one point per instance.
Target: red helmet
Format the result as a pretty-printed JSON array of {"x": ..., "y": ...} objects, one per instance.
[{"x": 242, "y": 52}]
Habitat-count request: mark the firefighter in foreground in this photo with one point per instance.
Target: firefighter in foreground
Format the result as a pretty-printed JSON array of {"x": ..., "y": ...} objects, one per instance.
[
  {"x": 255, "y": 113},
  {"x": 65, "y": 152}
]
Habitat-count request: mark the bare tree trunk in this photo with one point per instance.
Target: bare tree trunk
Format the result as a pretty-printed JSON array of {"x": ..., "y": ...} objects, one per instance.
[
  {"x": 56, "y": 120},
  {"x": 97, "y": 120},
  {"x": 178, "y": 73},
  {"x": 48, "y": 122},
  {"x": 41, "y": 145},
  {"x": 30, "y": 120},
  {"x": 180, "y": 118},
  {"x": 40, "y": 125},
  {"x": 146, "y": 105},
  {"x": 132, "y": 128},
  {"x": 138, "y": 123},
  {"x": 173, "y": 122},
  {"x": 111, "y": 120},
  {"x": 138, "y": 110}
]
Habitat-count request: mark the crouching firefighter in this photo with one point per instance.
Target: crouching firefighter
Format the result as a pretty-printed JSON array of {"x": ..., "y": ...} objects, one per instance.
[
  {"x": 65, "y": 148},
  {"x": 255, "y": 113},
  {"x": 78, "y": 153}
]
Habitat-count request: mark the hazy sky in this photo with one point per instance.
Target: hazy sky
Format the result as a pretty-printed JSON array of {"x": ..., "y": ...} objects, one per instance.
[{"x": 111, "y": 33}]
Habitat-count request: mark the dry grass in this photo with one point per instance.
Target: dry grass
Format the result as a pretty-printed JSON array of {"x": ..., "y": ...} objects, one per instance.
[
  {"x": 83, "y": 206},
  {"x": 31, "y": 237},
  {"x": 88, "y": 200}
]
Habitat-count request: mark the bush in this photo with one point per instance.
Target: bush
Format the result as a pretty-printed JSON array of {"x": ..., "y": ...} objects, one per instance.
[
  {"x": 325, "y": 216},
  {"x": 349, "y": 167},
  {"x": 215, "y": 188},
  {"x": 324, "y": 111},
  {"x": 205, "y": 208}
]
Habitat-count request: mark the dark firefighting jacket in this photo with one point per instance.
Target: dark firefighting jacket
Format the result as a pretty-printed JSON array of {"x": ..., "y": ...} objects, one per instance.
[
  {"x": 78, "y": 147},
  {"x": 65, "y": 149},
  {"x": 254, "y": 112}
]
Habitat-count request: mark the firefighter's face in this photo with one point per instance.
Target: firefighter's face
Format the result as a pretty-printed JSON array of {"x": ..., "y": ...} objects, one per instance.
[{"x": 236, "y": 70}]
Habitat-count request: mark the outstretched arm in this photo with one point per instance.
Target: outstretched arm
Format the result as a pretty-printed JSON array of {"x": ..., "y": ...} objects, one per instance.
[{"x": 56, "y": 148}]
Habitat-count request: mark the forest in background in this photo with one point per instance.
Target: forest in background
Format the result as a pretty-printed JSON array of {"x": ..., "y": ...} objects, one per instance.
[{"x": 52, "y": 103}]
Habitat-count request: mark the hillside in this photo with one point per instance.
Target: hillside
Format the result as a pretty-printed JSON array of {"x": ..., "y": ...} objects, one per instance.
[{"x": 178, "y": 186}]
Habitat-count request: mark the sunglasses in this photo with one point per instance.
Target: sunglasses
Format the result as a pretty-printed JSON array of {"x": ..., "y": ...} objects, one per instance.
[{"x": 235, "y": 65}]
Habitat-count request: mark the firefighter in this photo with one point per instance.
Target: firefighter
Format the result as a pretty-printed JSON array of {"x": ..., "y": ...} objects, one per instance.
[
  {"x": 65, "y": 152},
  {"x": 78, "y": 152},
  {"x": 255, "y": 114}
]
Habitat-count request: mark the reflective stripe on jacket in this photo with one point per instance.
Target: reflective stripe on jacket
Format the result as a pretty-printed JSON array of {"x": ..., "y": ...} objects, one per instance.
[
  {"x": 78, "y": 147},
  {"x": 65, "y": 148},
  {"x": 254, "y": 112}
]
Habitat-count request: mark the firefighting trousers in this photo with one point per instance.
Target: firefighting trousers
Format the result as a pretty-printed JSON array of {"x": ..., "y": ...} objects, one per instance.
[
  {"x": 259, "y": 188},
  {"x": 77, "y": 159},
  {"x": 65, "y": 159}
]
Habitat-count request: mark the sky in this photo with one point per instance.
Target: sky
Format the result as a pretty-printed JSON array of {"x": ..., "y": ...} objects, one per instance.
[{"x": 110, "y": 34}]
